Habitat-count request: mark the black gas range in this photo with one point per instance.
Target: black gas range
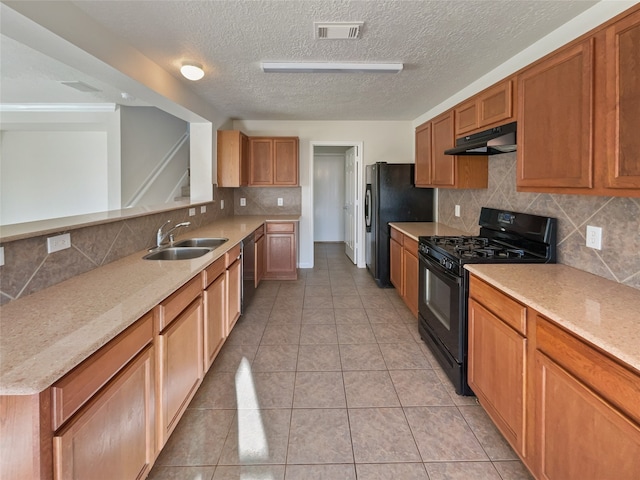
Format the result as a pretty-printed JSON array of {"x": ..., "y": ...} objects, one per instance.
[{"x": 505, "y": 237}]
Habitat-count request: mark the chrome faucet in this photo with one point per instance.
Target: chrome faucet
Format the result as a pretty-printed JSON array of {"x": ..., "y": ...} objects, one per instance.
[{"x": 161, "y": 236}]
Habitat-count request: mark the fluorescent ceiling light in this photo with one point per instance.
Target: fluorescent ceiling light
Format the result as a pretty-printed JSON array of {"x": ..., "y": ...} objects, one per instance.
[
  {"x": 330, "y": 67},
  {"x": 192, "y": 71},
  {"x": 58, "y": 107}
]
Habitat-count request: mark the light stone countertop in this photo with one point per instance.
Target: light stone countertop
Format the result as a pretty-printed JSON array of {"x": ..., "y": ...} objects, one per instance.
[
  {"x": 417, "y": 229},
  {"x": 602, "y": 312},
  {"x": 46, "y": 334}
]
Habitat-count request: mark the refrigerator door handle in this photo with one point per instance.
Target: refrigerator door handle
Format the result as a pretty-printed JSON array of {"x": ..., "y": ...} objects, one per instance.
[{"x": 367, "y": 208}]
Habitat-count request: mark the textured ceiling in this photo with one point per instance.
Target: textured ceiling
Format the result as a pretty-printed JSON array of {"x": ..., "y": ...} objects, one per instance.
[{"x": 444, "y": 45}]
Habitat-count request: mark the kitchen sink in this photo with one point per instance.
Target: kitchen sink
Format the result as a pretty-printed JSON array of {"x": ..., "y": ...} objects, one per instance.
[
  {"x": 177, "y": 253},
  {"x": 201, "y": 242}
]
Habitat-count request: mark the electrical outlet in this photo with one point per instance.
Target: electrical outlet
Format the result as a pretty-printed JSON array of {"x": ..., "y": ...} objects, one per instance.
[
  {"x": 280, "y": 202},
  {"x": 59, "y": 242},
  {"x": 243, "y": 202},
  {"x": 456, "y": 211},
  {"x": 594, "y": 237},
  {"x": 203, "y": 209},
  {"x": 192, "y": 212},
  {"x": 221, "y": 204},
  {"x": 1, "y": 256}
]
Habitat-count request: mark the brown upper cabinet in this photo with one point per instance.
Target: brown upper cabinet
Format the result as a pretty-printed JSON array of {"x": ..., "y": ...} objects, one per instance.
[
  {"x": 492, "y": 107},
  {"x": 233, "y": 158},
  {"x": 273, "y": 161},
  {"x": 578, "y": 115},
  {"x": 434, "y": 168}
]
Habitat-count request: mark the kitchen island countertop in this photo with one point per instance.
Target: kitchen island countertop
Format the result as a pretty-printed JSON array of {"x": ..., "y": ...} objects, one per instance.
[
  {"x": 46, "y": 334},
  {"x": 600, "y": 311}
]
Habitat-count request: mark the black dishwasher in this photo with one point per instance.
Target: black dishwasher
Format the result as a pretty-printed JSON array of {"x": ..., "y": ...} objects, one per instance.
[{"x": 248, "y": 270}]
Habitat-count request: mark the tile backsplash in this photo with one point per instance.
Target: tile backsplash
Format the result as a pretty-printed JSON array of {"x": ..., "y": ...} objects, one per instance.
[
  {"x": 29, "y": 268},
  {"x": 264, "y": 201},
  {"x": 619, "y": 217}
]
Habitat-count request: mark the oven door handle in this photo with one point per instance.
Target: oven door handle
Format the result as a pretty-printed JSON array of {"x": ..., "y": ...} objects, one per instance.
[{"x": 431, "y": 265}]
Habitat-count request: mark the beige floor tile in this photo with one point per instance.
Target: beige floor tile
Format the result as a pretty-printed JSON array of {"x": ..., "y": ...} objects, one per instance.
[
  {"x": 262, "y": 302},
  {"x": 358, "y": 333},
  {"x": 318, "y": 334},
  {"x": 403, "y": 356},
  {"x": 512, "y": 470},
  {"x": 281, "y": 315},
  {"x": 443, "y": 435},
  {"x": 281, "y": 334},
  {"x": 181, "y": 473},
  {"x": 381, "y": 315},
  {"x": 490, "y": 438},
  {"x": 370, "y": 388},
  {"x": 319, "y": 390},
  {"x": 342, "y": 301},
  {"x": 320, "y": 472},
  {"x": 246, "y": 333},
  {"x": 318, "y": 316},
  {"x": 351, "y": 316},
  {"x": 318, "y": 358},
  {"x": 257, "y": 437},
  {"x": 276, "y": 358},
  {"x": 381, "y": 435},
  {"x": 319, "y": 436},
  {"x": 361, "y": 357},
  {"x": 274, "y": 389},
  {"x": 217, "y": 391},
  {"x": 284, "y": 301},
  {"x": 462, "y": 471},
  {"x": 376, "y": 301},
  {"x": 419, "y": 388},
  {"x": 198, "y": 438},
  {"x": 230, "y": 356},
  {"x": 318, "y": 301},
  {"x": 246, "y": 472},
  {"x": 312, "y": 290},
  {"x": 392, "y": 333},
  {"x": 391, "y": 471},
  {"x": 369, "y": 289}
]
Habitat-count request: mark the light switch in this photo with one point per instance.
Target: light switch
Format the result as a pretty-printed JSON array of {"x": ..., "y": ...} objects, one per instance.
[
  {"x": 280, "y": 202},
  {"x": 243, "y": 202},
  {"x": 192, "y": 212},
  {"x": 203, "y": 209},
  {"x": 456, "y": 210},
  {"x": 221, "y": 204}
]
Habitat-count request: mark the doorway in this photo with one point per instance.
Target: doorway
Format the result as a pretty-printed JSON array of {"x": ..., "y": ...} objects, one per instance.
[{"x": 336, "y": 183}]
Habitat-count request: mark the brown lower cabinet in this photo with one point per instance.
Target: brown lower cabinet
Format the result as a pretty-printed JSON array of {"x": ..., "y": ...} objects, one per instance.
[
  {"x": 111, "y": 415},
  {"x": 568, "y": 409},
  {"x": 281, "y": 251},
  {"x": 404, "y": 268}
]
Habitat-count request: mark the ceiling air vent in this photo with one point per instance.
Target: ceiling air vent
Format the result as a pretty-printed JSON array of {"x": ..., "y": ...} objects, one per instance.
[{"x": 338, "y": 30}]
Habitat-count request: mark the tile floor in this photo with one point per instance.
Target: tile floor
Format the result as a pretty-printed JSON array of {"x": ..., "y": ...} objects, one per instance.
[{"x": 327, "y": 378}]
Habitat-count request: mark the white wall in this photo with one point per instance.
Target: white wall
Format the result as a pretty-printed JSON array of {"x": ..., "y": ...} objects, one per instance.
[
  {"x": 390, "y": 142},
  {"x": 328, "y": 197},
  {"x": 72, "y": 174}
]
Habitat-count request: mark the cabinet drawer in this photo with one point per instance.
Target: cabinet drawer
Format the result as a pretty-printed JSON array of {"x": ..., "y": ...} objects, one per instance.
[
  {"x": 617, "y": 384},
  {"x": 411, "y": 245},
  {"x": 171, "y": 307},
  {"x": 232, "y": 255},
  {"x": 212, "y": 272},
  {"x": 78, "y": 386},
  {"x": 280, "y": 227},
  {"x": 506, "y": 308},
  {"x": 397, "y": 235}
]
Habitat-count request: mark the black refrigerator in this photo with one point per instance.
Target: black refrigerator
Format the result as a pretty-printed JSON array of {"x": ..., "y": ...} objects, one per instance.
[{"x": 390, "y": 196}]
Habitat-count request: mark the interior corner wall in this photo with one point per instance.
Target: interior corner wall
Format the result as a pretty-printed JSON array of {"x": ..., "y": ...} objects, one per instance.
[{"x": 390, "y": 142}]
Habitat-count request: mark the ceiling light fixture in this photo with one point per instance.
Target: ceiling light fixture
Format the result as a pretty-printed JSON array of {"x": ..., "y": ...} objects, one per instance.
[
  {"x": 192, "y": 71},
  {"x": 330, "y": 67}
]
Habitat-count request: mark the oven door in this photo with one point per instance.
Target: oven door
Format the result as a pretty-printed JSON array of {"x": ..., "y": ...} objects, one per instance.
[{"x": 441, "y": 306}]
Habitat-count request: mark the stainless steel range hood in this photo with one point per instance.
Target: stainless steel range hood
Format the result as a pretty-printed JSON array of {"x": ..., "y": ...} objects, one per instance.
[{"x": 494, "y": 141}]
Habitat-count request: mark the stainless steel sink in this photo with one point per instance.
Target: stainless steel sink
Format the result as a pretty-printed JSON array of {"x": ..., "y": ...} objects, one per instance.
[
  {"x": 202, "y": 242},
  {"x": 177, "y": 253}
]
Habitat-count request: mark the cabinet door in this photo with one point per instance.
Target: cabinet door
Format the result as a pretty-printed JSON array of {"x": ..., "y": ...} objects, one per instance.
[
  {"x": 423, "y": 155},
  {"x": 555, "y": 120},
  {"x": 233, "y": 156},
  {"x": 261, "y": 161},
  {"x": 234, "y": 294},
  {"x": 181, "y": 367},
  {"x": 245, "y": 151},
  {"x": 497, "y": 374},
  {"x": 495, "y": 104},
  {"x": 466, "y": 117},
  {"x": 411, "y": 270},
  {"x": 443, "y": 166},
  {"x": 285, "y": 161},
  {"x": 280, "y": 254},
  {"x": 113, "y": 436},
  {"x": 215, "y": 309},
  {"x": 395, "y": 265},
  {"x": 579, "y": 435},
  {"x": 623, "y": 103},
  {"x": 259, "y": 266}
]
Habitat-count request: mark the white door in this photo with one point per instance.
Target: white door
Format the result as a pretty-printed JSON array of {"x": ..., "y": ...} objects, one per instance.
[{"x": 350, "y": 192}]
